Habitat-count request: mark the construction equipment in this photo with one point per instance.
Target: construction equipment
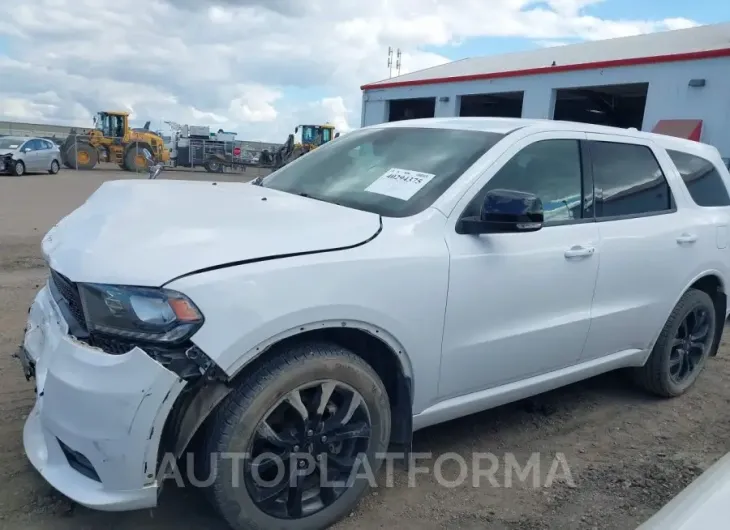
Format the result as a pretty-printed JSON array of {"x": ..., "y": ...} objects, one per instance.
[
  {"x": 314, "y": 136},
  {"x": 112, "y": 140}
]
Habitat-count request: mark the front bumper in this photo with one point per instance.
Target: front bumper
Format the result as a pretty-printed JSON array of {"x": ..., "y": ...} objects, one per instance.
[{"x": 94, "y": 431}]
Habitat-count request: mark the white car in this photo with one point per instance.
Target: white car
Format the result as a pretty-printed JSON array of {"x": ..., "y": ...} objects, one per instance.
[{"x": 402, "y": 276}]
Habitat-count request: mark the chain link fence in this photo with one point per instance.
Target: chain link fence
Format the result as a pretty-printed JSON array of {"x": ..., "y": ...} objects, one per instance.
[{"x": 78, "y": 150}]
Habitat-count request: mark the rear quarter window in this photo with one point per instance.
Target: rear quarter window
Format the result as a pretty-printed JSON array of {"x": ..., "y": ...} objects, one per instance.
[{"x": 702, "y": 179}]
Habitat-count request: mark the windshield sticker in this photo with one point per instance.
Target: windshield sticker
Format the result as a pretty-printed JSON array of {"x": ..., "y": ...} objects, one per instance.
[{"x": 400, "y": 183}]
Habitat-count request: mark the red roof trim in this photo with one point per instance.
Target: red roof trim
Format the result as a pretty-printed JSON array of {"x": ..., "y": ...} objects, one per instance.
[{"x": 615, "y": 63}]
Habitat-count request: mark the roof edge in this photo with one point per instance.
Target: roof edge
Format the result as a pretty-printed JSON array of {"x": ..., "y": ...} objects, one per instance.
[{"x": 613, "y": 63}]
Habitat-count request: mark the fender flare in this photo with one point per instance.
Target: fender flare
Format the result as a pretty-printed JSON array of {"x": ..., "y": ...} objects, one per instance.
[
  {"x": 704, "y": 274},
  {"x": 213, "y": 393}
]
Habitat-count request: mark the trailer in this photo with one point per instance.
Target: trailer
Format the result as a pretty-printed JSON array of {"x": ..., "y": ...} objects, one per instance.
[{"x": 194, "y": 146}]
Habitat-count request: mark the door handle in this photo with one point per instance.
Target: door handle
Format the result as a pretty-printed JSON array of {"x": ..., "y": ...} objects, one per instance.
[
  {"x": 686, "y": 239},
  {"x": 579, "y": 251}
]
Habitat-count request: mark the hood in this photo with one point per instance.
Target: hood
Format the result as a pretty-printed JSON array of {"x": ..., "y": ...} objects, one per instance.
[
  {"x": 148, "y": 232},
  {"x": 5, "y": 152}
]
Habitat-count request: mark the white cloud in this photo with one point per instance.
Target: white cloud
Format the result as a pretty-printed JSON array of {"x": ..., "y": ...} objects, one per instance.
[{"x": 234, "y": 64}]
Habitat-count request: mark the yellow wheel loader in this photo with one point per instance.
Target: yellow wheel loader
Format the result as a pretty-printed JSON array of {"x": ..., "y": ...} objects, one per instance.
[
  {"x": 314, "y": 136},
  {"x": 112, "y": 140}
]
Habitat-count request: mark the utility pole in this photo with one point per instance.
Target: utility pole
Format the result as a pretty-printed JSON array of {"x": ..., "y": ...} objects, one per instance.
[
  {"x": 390, "y": 62},
  {"x": 397, "y": 62}
]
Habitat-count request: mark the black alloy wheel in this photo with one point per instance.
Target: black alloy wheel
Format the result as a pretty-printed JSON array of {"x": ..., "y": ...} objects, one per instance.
[
  {"x": 686, "y": 341},
  {"x": 305, "y": 452},
  {"x": 691, "y": 342}
]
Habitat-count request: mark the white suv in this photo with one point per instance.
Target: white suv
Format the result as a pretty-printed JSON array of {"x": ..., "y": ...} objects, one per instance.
[{"x": 402, "y": 276}]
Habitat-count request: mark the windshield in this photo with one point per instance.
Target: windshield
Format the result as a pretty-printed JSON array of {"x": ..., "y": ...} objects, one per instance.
[
  {"x": 394, "y": 172},
  {"x": 10, "y": 143}
]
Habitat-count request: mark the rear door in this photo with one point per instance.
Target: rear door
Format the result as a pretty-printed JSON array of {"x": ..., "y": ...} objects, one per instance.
[
  {"x": 706, "y": 182},
  {"x": 650, "y": 243},
  {"x": 45, "y": 154}
]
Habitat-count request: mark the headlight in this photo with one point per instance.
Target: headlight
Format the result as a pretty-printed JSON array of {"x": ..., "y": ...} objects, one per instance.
[{"x": 139, "y": 313}]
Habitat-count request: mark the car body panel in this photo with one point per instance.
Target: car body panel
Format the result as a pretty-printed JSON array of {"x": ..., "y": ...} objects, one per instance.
[
  {"x": 141, "y": 232},
  {"x": 341, "y": 289}
]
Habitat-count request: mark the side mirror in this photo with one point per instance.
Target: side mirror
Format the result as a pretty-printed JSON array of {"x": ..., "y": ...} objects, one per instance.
[
  {"x": 26, "y": 149},
  {"x": 296, "y": 129},
  {"x": 337, "y": 135},
  {"x": 505, "y": 211}
]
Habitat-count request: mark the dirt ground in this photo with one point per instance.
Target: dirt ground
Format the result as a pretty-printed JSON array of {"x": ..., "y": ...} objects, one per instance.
[{"x": 627, "y": 453}]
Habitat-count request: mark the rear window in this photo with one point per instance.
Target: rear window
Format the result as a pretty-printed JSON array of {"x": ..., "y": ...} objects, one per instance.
[
  {"x": 702, "y": 179},
  {"x": 393, "y": 171}
]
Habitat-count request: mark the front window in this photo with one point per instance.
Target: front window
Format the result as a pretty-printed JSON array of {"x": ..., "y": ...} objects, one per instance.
[
  {"x": 393, "y": 171},
  {"x": 103, "y": 123},
  {"x": 308, "y": 134}
]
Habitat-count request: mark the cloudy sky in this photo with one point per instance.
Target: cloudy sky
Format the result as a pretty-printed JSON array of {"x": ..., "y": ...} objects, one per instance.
[{"x": 259, "y": 67}]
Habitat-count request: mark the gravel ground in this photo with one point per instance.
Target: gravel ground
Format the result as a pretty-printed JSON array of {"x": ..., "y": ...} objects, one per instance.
[{"x": 627, "y": 453}]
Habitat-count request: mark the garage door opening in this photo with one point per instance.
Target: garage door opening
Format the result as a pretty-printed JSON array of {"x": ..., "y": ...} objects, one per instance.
[
  {"x": 502, "y": 105},
  {"x": 614, "y": 105},
  {"x": 411, "y": 109}
]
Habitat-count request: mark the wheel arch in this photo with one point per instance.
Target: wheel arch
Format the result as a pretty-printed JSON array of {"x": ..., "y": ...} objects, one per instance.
[
  {"x": 711, "y": 282},
  {"x": 373, "y": 344}
]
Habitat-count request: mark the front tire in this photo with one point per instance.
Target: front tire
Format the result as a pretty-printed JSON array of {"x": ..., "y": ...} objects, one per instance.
[
  {"x": 317, "y": 404},
  {"x": 19, "y": 169},
  {"x": 134, "y": 159},
  {"x": 82, "y": 156},
  {"x": 681, "y": 352}
]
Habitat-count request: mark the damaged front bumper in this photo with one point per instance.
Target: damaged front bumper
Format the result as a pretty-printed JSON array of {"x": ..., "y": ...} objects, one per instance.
[
  {"x": 95, "y": 429},
  {"x": 6, "y": 163}
]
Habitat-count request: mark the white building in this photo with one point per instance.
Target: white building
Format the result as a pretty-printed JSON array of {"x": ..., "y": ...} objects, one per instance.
[{"x": 675, "y": 82}]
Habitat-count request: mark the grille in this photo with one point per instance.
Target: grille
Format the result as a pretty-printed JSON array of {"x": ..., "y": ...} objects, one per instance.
[{"x": 70, "y": 293}]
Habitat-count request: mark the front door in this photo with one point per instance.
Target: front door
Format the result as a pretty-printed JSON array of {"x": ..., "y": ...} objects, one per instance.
[
  {"x": 519, "y": 304},
  {"x": 30, "y": 156}
]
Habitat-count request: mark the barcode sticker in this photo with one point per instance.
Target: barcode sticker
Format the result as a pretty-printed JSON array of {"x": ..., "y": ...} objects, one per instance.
[{"x": 400, "y": 183}]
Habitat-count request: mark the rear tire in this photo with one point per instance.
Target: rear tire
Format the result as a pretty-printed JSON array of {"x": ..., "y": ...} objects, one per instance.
[
  {"x": 258, "y": 400},
  {"x": 676, "y": 353},
  {"x": 55, "y": 168}
]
